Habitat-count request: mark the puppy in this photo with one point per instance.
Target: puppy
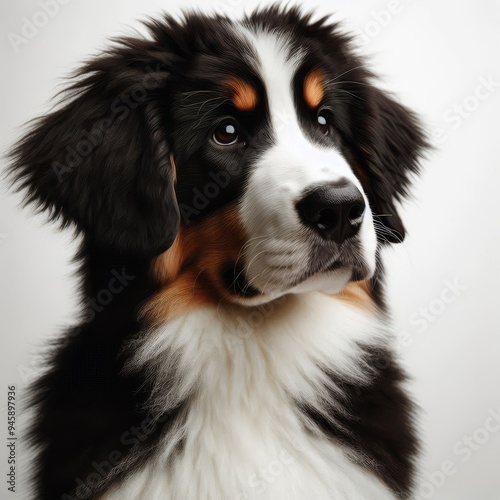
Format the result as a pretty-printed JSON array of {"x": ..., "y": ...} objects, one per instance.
[{"x": 232, "y": 184}]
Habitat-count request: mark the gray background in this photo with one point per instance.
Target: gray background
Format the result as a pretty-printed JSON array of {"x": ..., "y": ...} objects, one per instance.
[{"x": 435, "y": 55}]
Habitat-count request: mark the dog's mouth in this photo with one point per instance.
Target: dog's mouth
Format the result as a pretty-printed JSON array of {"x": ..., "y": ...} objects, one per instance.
[
  {"x": 328, "y": 260},
  {"x": 236, "y": 280}
]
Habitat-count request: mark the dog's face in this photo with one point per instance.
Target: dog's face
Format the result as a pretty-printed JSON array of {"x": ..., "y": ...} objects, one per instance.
[
  {"x": 268, "y": 131},
  {"x": 278, "y": 132}
]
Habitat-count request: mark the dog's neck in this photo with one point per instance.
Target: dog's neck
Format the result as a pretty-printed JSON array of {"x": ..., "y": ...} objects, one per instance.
[
  {"x": 289, "y": 342},
  {"x": 247, "y": 379}
]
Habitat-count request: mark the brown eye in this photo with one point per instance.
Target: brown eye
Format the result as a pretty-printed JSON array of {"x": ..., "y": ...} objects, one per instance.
[
  {"x": 324, "y": 125},
  {"x": 226, "y": 134}
]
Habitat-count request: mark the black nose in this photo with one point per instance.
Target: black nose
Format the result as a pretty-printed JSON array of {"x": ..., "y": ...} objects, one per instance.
[{"x": 334, "y": 210}]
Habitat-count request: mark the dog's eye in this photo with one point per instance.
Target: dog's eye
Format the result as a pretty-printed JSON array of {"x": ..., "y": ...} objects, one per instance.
[
  {"x": 324, "y": 126},
  {"x": 226, "y": 134}
]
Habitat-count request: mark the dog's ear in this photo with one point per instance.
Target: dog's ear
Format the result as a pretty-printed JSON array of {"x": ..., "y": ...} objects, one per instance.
[
  {"x": 101, "y": 161},
  {"x": 396, "y": 145}
]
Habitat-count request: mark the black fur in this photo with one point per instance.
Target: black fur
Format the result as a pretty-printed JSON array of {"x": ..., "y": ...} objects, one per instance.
[
  {"x": 101, "y": 163},
  {"x": 375, "y": 422}
]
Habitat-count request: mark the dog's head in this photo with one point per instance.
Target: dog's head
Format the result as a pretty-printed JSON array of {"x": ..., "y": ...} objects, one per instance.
[{"x": 261, "y": 147}]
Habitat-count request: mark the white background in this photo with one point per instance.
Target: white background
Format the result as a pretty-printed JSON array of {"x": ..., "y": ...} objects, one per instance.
[{"x": 433, "y": 55}]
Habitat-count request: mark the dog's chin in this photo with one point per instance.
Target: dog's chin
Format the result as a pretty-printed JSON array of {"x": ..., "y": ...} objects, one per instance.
[{"x": 331, "y": 281}]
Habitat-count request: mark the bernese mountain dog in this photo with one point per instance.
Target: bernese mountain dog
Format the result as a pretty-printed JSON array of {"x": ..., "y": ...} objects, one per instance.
[{"x": 232, "y": 183}]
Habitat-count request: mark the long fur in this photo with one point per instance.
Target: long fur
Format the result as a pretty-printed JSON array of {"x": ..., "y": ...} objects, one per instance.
[{"x": 193, "y": 381}]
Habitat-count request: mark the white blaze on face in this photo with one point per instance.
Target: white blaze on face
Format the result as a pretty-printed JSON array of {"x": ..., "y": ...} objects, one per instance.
[{"x": 279, "y": 248}]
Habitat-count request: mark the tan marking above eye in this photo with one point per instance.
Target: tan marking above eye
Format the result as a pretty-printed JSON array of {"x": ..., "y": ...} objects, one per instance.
[
  {"x": 244, "y": 96},
  {"x": 314, "y": 89}
]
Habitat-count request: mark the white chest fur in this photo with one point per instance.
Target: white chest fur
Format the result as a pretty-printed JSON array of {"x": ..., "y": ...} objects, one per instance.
[{"x": 241, "y": 372}]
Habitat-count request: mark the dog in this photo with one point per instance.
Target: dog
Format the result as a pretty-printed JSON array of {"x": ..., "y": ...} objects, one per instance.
[{"x": 232, "y": 184}]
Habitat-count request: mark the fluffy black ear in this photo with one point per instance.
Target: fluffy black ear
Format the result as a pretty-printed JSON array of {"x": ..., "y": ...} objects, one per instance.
[
  {"x": 397, "y": 143},
  {"x": 101, "y": 161}
]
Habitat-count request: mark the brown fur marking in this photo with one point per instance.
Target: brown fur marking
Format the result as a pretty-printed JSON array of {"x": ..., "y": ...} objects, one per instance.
[
  {"x": 189, "y": 270},
  {"x": 244, "y": 96},
  {"x": 358, "y": 293},
  {"x": 174, "y": 168},
  {"x": 313, "y": 89}
]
